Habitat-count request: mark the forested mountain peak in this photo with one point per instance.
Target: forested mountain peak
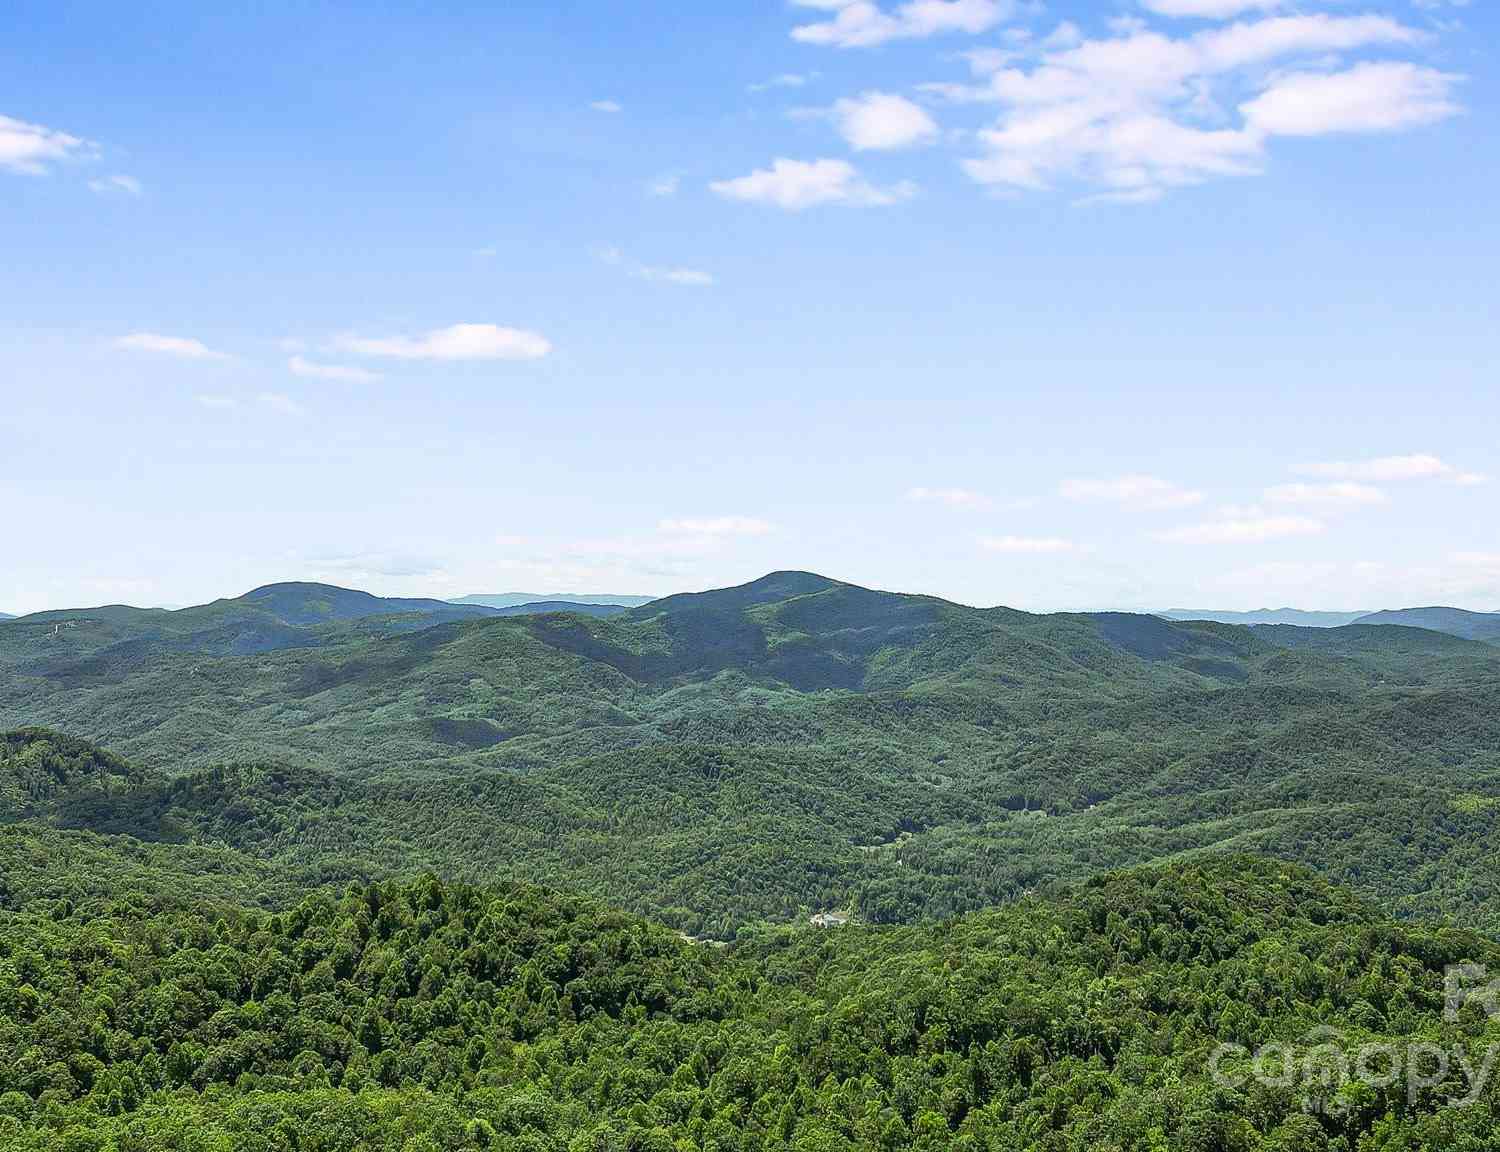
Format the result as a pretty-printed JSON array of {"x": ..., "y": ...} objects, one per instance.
[
  {"x": 299, "y": 603},
  {"x": 769, "y": 588}
]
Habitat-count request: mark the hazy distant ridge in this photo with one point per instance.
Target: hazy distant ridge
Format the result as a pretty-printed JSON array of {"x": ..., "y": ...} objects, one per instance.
[
  {"x": 1454, "y": 621},
  {"x": 517, "y": 599},
  {"x": 1297, "y": 616}
]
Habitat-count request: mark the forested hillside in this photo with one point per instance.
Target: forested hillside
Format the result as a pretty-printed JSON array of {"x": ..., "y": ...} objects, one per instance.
[
  {"x": 442, "y": 1016},
  {"x": 1456, "y": 621},
  {"x": 793, "y": 745}
]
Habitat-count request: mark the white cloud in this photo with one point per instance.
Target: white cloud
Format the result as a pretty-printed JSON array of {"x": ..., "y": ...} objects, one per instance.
[
  {"x": 30, "y": 148},
  {"x": 1141, "y": 493},
  {"x": 1418, "y": 466},
  {"x": 459, "y": 342},
  {"x": 798, "y": 184},
  {"x": 863, "y": 24},
  {"x": 301, "y": 366},
  {"x": 1341, "y": 494},
  {"x": 218, "y": 402},
  {"x": 1026, "y": 545},
  {"x": 1242, "y": 526},
  {"x": 716, "y": 526},
  {"x": 1140, "y": 112},
  {"x": 118, "y": 182},
  {"x": 608, "y": 106},
  {"x": 883, "y": 121},
  {"x": 178, "y": 346},
  {"x": 1370, "y": 97},
  {"x": 952, "y": 497}
]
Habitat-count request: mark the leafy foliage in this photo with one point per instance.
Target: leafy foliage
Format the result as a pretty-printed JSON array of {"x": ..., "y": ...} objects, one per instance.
[{"x": 432, "y": 1015}]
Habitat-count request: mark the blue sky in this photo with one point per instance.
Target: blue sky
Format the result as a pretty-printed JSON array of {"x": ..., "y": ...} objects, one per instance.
[{"x": 1150, "y": 304}]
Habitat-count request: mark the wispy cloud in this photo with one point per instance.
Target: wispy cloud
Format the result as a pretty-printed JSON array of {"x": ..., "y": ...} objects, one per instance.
[
  {"x": 301, "y": 366},
  {"x": 716, "y": 526},
  {"x": 685, "y": 277},
  {"x": 658, "y": 273},
  {"x": 785, "y": 80},
  {"x": 864, "y": 24},
  {"x": 607, "y": 106},
  {"x": 31, "y": 148},
  {"x": 1418, "y": 466},
  {"x": 1136, "y": 492},
  {"x": 795, "y": 185},
  {"x": 281, "y": 404},
  {"x": 183, "y": 348},
  {"x": 386, "y": 564},
  {"x": 1341, "y": 494},
  {"x": 278, "y": 403},
  {"x": 456, "y": 343},
  {"x": 1210, "y": 9},
  {"x": 664, "y": 186},
  {"x": 117, "y": 183},
  {"x": 1026, "y": 545},
  {"x": 952, "y": 497},
  {"x": 1243, "y": 526}
]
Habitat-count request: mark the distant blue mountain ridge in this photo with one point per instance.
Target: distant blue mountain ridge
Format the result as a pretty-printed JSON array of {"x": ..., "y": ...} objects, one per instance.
[
  {"x": 520, "y": 599},
  {"x": 1454, "y": 621}
]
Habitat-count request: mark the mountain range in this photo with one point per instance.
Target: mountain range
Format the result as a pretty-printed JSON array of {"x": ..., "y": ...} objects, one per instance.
[
  {"x": 282, "y": 615},
  {"x": 519, "y": 599},
  {"x": 722, "y": 758},
  {"x": 270, "y": 868},
  {"x": 1297, "y": 616},
  {"x": 1454, "y": 621}
]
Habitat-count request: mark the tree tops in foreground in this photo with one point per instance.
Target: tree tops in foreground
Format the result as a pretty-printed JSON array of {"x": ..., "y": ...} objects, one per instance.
[{"x": 430, "y": 1015}]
